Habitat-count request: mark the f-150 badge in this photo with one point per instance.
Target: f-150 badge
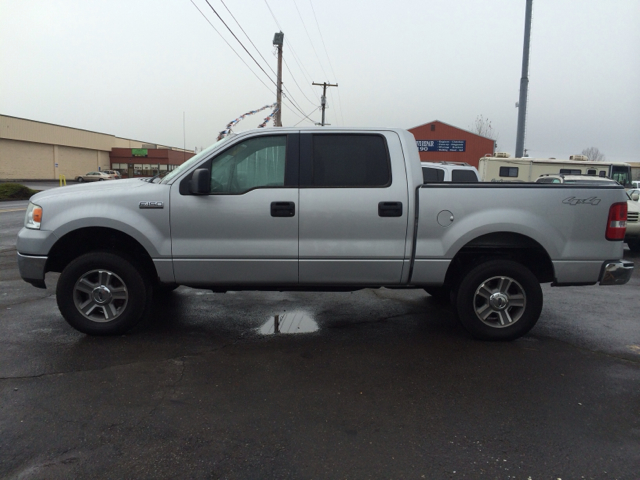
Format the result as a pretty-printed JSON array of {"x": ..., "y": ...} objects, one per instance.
[
  {"x": 573, "y": 201},
  {"x": 151, "y": 204}
]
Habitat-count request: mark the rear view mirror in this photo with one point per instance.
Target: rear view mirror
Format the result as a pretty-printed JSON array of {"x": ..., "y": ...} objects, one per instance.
[
  {"x": 635, "y": 197},
  {"x": 200, "y": 182}
]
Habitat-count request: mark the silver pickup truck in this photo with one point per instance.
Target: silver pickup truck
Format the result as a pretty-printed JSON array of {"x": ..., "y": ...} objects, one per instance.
[{"x": 320, "y": 210}]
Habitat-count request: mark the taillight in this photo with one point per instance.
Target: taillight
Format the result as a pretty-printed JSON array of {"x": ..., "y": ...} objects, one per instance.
[{"x": 617, "y": 222}]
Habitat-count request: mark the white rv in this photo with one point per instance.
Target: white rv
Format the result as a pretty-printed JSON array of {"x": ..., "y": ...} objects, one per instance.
[{"x": 502, "y": 168}]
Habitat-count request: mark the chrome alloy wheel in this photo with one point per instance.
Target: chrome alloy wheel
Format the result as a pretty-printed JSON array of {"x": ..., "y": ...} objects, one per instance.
[
  {"x": 499, "y": 302},
  {"x": 100, "y": 295}
]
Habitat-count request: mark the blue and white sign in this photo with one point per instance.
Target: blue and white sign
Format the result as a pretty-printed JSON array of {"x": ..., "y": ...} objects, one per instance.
[{"x": 441, "y": 145}]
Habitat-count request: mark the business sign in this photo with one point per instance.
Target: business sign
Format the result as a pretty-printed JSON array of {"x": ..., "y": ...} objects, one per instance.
[
  {"x": 441, "y": 145},
  {"x": 139, "y": 152}
]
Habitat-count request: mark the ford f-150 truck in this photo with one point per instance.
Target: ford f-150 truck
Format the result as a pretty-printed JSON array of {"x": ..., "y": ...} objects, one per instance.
[{"x": 320, "y": 210}]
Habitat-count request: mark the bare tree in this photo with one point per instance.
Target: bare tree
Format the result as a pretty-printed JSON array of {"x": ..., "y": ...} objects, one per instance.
[
  {"x": 594, "y": 154},
  {"x": 482, "y": 126}
]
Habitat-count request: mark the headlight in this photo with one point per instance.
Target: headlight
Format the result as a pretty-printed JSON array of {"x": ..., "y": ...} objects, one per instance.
[{"x": 33, "y": 217}]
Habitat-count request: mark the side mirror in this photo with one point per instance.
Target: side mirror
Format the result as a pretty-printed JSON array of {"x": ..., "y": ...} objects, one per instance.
[
  {"x": 635, "y": 197},
  {"x": 200, "y": 182}
]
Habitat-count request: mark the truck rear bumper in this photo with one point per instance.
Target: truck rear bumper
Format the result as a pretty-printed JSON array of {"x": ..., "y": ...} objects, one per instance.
[
  {"x": 616, "y": 272},
  {"x": 32, "y": 269}
]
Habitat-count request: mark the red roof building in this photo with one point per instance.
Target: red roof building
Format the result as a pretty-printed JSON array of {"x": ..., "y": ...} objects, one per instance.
[{"x": 441, "y": 142}]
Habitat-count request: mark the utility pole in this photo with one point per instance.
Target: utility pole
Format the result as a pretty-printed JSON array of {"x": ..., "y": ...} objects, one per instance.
[
  {"x": 278, "y": 40},
  {"x": 524, "y": 82},
  {"x": 323, "y": 99}
]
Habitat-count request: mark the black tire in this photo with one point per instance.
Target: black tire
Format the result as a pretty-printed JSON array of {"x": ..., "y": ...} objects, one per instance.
[
  {"x": 161, "y": 289},
  {"x": 101, "y": 179},
  {"x": 105, "y": 285},
  {"x": 80, "y": 179},
  {"x": 634, "y": 245},
  {"x": 440, "y": 294},
  {"x": 499, "y": 300}
]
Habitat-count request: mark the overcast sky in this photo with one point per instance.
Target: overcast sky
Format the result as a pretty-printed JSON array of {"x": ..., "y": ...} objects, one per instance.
[{"x": 133, "y": 68}]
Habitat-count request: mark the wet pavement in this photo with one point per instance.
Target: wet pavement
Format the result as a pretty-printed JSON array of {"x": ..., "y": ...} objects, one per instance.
[{"x": 372, "y": 384}]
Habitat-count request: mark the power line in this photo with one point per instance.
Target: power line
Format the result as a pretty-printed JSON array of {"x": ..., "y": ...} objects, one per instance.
[
  {"x": 307, "y": 117},
  {"x": 304, "y": 71},
  {"x": 234, "y": 51},
  {"x": 322, "y": 38},
  {"x": 294, "y": 81},
  {"x": 290, "y": 97},
  {"x": 328, "y": 58},
  {"x": 310, "y": 41},
  {"x": 245, "y": 34},
  {"x": 292, "y": 100},
  {"x": 274, "y": 17},
  {"x": 241, "y": 44}
]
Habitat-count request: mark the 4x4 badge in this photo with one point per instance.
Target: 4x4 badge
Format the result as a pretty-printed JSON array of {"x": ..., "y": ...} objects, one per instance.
[{"x": 581, "y": 201}]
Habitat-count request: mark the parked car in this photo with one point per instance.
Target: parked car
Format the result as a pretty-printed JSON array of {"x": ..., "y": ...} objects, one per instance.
[
  {"x": 632, "y": 236},
  {"x": 456, "y": 172},
  {"x": 576, "y": 179},
  {"x": 94, "y": 177},
  {"x": 115, "y": 173},
  {"x": 313, "y": 209}
]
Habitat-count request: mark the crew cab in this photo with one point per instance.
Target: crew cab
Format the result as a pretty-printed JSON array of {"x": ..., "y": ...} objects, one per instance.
[{"x": 320, "y": 209}]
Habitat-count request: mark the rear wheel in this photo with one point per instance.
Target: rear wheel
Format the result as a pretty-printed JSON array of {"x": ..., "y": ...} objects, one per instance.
[
  {"x": 103, "y": 293},
  {"x": 499, "y": 300}
]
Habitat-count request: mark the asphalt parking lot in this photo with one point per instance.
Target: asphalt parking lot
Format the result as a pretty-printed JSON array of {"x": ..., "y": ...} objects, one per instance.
[{"x": 372, "y": 384}]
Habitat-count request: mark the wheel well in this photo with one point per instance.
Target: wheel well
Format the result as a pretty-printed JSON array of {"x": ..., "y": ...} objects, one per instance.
[
  {"x": 506, "y": 245},
  {"x": 85, "y": 240}
]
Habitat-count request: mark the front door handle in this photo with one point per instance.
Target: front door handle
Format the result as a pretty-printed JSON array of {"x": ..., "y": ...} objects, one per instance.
[
  {"x": 283, "y": 209},
  {"x": 390, "y": 209}
]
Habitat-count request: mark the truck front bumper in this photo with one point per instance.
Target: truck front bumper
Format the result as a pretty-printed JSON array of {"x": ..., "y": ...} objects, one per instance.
[
  {"x": 32, "y": 269},
  {"x": 616, "y": 272}
]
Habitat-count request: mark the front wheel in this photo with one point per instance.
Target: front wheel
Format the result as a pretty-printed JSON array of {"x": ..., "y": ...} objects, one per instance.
[
  {"x": 103, "y": 293},
  {"x": 79, "y": 179},
  {"x": 499, "y": 300}
]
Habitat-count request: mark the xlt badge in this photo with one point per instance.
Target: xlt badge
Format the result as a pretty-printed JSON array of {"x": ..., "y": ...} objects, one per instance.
[{"x": 151, "y": 204}]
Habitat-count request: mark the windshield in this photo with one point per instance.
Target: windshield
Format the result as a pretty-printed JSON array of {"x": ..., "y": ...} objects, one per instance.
[
  {"x": 621, "y": 174},
  {"x": 193, "y": 160}
]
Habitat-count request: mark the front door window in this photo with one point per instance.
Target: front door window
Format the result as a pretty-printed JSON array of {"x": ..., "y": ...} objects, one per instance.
[{"x": 254, "y": 163}]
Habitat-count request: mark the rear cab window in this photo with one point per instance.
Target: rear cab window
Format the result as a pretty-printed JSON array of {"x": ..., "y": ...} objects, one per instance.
[
  {"x": 432, "y": 175},
  {"x": 464, "y": 176}
]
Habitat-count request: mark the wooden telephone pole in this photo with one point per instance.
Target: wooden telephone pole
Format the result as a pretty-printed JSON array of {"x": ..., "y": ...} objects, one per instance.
[
  {"x": 278, "y": 40},
  {"x": 323, "y": 99}
]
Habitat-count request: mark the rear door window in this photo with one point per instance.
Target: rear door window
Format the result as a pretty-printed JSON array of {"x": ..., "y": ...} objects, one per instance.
[{"x": 348, "y": 160}]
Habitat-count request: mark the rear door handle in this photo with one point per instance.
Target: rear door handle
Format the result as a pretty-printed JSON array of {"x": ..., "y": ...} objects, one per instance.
[
  {"x": 390, "y": 209},
  {"x": 283, "y": 209}
]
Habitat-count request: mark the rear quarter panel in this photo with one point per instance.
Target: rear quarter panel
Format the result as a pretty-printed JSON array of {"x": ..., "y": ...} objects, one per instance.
[{"x": 572, "y": 233}]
